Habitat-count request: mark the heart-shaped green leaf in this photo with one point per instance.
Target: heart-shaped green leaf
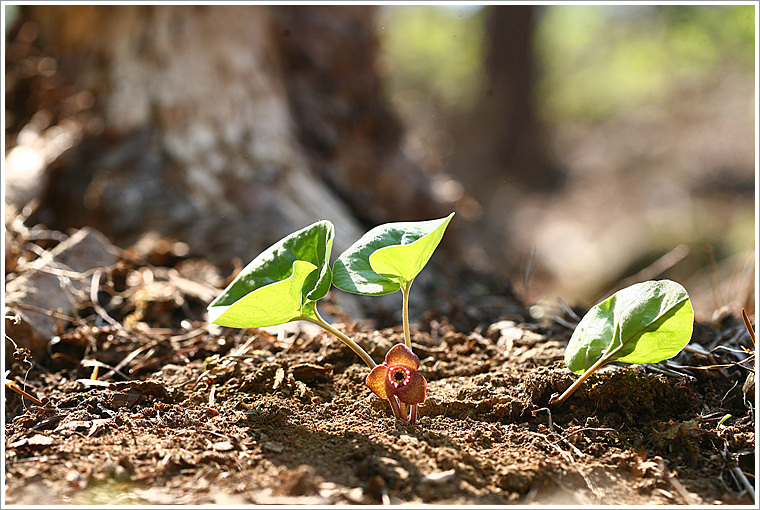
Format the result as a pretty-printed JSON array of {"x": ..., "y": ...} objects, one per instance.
[
  {"x": 274, "y": 287},
  {"x": 645, "y": 323},
  {"x": 388, "y": 256},
  {"x": 269, "y": 305}
]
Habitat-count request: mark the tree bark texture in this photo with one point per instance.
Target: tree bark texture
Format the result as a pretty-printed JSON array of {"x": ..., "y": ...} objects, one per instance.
[{"x": 226, "y": 127}]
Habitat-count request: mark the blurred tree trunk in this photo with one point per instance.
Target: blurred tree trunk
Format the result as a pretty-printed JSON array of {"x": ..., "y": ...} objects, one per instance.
[
  {"x": 502, "y": 142},
  {"x": 226, "y": 127},
  {"x": 502, "y": 153}
]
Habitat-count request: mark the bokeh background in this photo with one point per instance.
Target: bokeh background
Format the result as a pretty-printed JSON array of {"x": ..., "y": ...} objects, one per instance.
[
  {"x": 583, "y": 147},
  {"x": 649, "y": 111}
]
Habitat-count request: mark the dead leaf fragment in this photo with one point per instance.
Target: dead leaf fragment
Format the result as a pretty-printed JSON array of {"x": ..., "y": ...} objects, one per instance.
[
  {"x": 222, "y": 446},
  {"x": 309, "y": 372},
  {"x": 35, "y": 440}
]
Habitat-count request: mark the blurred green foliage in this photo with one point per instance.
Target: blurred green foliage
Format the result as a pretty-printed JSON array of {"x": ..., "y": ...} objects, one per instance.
[
  {"x": 11, "y": 13},
  {"x": 598, "y": 59},
  {"x": 593, "y": 60},
  {"x": 434, "y": 49}
]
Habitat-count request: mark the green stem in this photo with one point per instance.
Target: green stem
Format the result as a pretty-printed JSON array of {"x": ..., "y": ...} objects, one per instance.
[
  {"x": 319, "y": 321},
  {"x": 405, "y": 313},
  {"x": 593, "y": 368},
  {"x": 408, "y": 339}
]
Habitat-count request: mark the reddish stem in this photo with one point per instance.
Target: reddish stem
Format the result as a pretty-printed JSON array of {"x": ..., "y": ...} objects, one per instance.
[{"x": 395, "y": 407}]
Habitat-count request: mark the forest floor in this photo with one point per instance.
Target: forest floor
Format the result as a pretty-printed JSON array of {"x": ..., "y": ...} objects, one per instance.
[{"x": 140, "y": 401}]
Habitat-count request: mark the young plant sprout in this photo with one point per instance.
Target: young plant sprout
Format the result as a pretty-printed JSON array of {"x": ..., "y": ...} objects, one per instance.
[
  {"x": 285, "y": 281},
  {"x": 386, "y": 259},
  {"x": 645, "y": 323}
]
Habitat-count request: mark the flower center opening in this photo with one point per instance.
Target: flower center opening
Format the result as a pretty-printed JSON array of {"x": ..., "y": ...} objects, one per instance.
[{"x": 399, "y": 376}]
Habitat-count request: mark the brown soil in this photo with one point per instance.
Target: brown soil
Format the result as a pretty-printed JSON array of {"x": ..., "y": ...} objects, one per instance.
[{"x": 199, "y": 414}]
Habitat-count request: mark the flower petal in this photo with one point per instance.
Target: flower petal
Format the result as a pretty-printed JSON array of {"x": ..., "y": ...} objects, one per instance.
[
  {"x": 401, "y": 356},
  {"x": 414, "y": 391},
  {"x": 377, "y": 380}
]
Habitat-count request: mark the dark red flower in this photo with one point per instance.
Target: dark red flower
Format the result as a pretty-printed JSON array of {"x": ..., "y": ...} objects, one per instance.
[{"x": 398, "y": 376}]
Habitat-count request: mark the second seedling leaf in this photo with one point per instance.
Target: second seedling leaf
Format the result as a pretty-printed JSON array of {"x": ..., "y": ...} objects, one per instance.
[{"x": 387, "y": 256}]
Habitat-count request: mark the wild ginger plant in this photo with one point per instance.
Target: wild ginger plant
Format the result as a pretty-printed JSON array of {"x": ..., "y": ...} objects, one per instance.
[
  {"x": 384, "y": 260},
  {"x": 285, "y": 281}
]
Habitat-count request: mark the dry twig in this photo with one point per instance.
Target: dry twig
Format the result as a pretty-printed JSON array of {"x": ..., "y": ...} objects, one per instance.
[
  {"x": 596, "y": 492},
  {"x": 94, "y": 287},
  {"x": 676, "y": 484},
  {"x": 11, "y": 385},
  {"x": 748, "y": 324}
]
